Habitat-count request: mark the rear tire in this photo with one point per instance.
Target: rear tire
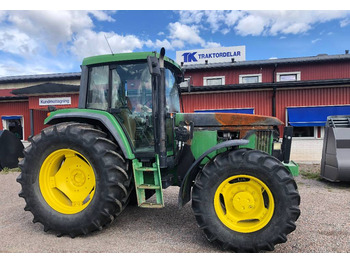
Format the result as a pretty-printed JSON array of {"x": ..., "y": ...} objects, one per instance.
[
  {"x": 74, "y": 180},
  {"x": 246, "y": 201}
]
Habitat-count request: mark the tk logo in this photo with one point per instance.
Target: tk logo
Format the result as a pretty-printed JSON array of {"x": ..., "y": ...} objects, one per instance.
[{"x": 189, "y": 57}]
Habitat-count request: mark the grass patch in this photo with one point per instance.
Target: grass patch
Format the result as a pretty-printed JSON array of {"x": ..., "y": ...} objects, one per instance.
[
  {"x": 310, "y": 175},
  {"x": 7, "y": 170}
]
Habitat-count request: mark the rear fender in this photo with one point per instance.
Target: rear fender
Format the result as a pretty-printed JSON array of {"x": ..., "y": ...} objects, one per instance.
[
  {"x": 101, "y": 118},
  {"x": 187, "y": 182}
]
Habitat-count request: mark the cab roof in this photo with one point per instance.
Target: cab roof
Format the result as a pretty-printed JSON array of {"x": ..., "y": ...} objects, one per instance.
[{"x": 122, "y": 57}]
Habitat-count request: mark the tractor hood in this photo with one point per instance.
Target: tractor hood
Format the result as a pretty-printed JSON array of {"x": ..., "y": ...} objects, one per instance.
[{"x": 222, "y": 120}]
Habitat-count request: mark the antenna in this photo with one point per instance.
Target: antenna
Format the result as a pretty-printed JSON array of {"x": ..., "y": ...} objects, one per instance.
[{"x": 109, "y": 45}]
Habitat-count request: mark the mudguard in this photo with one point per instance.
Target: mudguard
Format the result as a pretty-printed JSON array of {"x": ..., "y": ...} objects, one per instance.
[
  {"x": 94, "y": 116},
  {"x": 185, "y": 189}
]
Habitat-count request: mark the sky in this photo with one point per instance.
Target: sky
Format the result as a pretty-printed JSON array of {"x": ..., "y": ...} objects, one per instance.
[{"x": 43, "y": 40}]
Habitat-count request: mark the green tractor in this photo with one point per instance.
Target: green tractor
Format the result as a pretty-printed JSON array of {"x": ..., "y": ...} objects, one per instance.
[{"x": 128, "y": 140}]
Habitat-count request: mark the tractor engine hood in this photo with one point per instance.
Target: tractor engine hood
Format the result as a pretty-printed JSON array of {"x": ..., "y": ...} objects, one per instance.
[{"x": 228, "y": 120}]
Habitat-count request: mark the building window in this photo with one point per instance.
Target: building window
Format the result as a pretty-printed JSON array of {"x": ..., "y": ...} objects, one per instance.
[
  {"x": 213, "y": 80},
  {"x": 14, "y": 124},
  {"x": 288, "y": 76},
  {"x": 247, "y": 79},
  {"x": 304, "y": 131}
]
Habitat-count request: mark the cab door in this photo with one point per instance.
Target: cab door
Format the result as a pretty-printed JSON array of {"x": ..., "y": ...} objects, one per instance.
[{"x": 131, "y": 104}]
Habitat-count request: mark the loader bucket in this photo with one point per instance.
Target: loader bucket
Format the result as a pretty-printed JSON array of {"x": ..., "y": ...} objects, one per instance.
[
  {"x": 335, "y": 164},
  {"x": 11, "y": 148}
]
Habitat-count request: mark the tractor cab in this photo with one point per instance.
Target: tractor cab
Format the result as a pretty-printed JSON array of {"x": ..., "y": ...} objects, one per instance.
[{"x": 128, "y": 91}]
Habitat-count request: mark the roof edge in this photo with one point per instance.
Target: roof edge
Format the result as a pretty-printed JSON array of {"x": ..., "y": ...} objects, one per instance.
[
  {"x": 307, "y": 59},
  {"x": 286, "y": 84},
  {"x": 40, "y": 77}
]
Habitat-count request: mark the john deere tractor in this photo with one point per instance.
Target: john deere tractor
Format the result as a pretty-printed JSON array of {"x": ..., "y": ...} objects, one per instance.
[{"x": 129, "y": 139}]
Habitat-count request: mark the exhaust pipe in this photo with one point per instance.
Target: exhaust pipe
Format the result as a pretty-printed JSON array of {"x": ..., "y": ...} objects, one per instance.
[
  {"x": 162, "y": 113},
  {"x": 157, "y": 70}
]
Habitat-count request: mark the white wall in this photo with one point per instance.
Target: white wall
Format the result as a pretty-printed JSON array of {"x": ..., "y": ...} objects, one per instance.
[{"x": 306, "y": 150}]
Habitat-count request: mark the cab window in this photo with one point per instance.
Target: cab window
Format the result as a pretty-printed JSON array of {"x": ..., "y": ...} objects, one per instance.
[
  {"x": 172, "y": 93},
  {"x": 98, "y": 88}
]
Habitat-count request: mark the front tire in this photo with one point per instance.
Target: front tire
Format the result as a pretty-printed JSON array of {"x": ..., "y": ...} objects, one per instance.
[
  {"x": 246, "y": 201},
  {"x": 74, "y": 180}
]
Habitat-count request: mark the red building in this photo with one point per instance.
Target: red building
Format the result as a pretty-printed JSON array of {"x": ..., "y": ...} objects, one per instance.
[
  {"x": 301, "y": 92},
  {"x": 24, "y": 100}
]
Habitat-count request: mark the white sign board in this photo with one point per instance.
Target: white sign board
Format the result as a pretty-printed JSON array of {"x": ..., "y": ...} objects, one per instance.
[
  {"x": 55, "y": 101},
  {"x": 210, "y": 56}
]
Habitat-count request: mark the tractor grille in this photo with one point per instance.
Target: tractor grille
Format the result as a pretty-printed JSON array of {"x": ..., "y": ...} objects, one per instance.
[{"x": 263, "y": 140}]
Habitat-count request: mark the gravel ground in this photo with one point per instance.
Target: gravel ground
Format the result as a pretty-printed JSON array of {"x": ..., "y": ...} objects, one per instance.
[{"x": 324, "y": 225}]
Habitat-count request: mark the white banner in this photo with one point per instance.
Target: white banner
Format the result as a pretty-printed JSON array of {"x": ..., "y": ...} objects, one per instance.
[
  {"x": 213, "y": 55},
  {"x": 55, "y": 101}
]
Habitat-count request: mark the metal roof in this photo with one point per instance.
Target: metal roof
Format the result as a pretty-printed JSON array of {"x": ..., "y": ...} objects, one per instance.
[
  {"x": 6, "y": 94},
  {"x": 39, "y": 77},
  {"x": 47, "y": 88},
  {"x": 307, "y": 59}
]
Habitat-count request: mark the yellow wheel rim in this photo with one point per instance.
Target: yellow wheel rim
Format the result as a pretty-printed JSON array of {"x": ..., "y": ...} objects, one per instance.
[
  {"x": 244, "y": 203},
  {"x": 67, "y": 181}
]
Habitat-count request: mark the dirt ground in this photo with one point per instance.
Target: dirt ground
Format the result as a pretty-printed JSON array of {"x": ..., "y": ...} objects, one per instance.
[
  {"x": 309, "y": 168},
  {"x": 323, "y": 226}
]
